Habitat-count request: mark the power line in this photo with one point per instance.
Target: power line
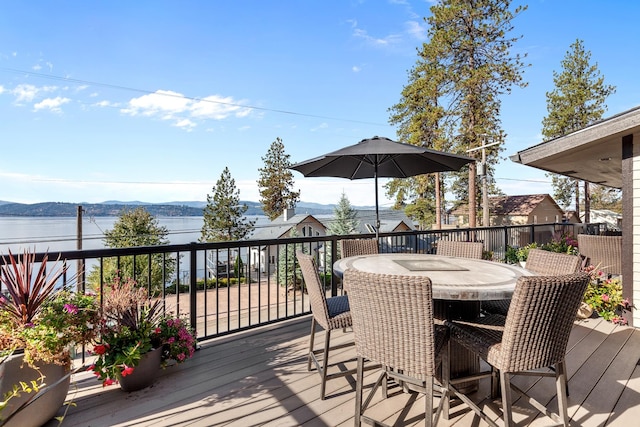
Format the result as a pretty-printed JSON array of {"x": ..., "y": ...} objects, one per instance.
[{"x": 175, "y": 95}]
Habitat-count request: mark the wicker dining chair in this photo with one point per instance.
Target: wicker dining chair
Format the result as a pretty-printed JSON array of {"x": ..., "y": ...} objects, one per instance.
[
  {"x": 330, "y": 313},
  {"x": 534, "y": 336},
  {"x": 541, "y": 262},
  {"x": 603, "y": 252},
  {"x": 353, "y": 247},
  {"x": 459, "y": 249},
  {"x": 393, "y": 326}
]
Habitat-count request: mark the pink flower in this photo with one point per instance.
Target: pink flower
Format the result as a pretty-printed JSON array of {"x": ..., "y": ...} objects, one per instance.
[
  {"x": 128, "y": 370},
  {"x": 605, "y": 297},
  {"x": 71, "y": 309},
  {"x": 171, "y": 340},
  {"x": 181, "y": 357}
]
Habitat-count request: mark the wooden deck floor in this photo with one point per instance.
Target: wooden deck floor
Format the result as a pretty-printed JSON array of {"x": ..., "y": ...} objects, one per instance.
[{"x": 260, "y": 378}]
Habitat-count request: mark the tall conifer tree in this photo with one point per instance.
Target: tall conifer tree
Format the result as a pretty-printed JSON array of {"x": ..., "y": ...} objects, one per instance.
[
  {"x": 276, "y": 182},
  {"x": 452, "y": 101},
  {"x": 224, "y": 218},
  {"x": 577, "y": 101}
]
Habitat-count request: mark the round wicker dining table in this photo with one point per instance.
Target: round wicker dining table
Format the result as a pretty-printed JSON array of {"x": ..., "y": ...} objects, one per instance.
[{"x": 459, "y": 285}]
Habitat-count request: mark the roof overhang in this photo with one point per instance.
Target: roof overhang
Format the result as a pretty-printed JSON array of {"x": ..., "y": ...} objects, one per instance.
[{"x": 592, "y": 154}]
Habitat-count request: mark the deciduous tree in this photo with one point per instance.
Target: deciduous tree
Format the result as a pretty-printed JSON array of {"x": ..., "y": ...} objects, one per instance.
[{"x": 136, "y": 227}]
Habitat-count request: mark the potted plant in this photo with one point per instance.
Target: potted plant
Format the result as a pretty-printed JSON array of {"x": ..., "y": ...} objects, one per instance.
[
  {"x": 40, "y": 322},
  {"x": 136, "y": 338},
  {"x": 604, "y": 296}
]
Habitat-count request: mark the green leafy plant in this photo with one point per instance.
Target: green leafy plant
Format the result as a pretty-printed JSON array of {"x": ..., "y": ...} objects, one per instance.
[
  {"x": 523, "y": 253},
  {"x": 132, "y": 324},
  {"x": 604, "y": 296},
  {"x": 562, "y": 243},
  {"x": 177, "y": 338},
  {"x": 39, "y": 318}
]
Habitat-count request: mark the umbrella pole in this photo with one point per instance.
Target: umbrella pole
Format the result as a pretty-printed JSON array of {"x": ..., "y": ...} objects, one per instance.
[{"x": 375, "y": 176}]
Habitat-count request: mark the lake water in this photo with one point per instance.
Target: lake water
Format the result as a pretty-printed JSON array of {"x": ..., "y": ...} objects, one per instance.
[{"x": 55, "y": 234}]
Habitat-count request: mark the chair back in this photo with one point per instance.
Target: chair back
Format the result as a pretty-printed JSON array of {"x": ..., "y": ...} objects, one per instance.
[
  {"x": 459, "y": 249},
  {"x": 603, "y": 252},
  {"x": 549, "y": 263},
  {"x": 353, "y": 247},
  {"x": 393, "y": 320},
  {"x": 539, "y": 321},
  {"x": 315, "y": 290}
]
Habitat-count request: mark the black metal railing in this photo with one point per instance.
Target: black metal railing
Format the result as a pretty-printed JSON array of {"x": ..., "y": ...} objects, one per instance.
[{"x": 221, "y": 295}]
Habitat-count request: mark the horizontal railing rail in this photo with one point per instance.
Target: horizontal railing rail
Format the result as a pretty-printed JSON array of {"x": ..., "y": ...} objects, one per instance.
[{"x": 225, "y": 287}]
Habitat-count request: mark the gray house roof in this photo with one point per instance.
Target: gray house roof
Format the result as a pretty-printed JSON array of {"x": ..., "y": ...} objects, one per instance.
[
  {"x": 389, "y": 220},
  {"x": 280, "y": 226}
]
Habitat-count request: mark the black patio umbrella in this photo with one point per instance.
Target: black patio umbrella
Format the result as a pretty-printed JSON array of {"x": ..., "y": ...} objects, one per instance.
[{"x": 381, "y": 157}]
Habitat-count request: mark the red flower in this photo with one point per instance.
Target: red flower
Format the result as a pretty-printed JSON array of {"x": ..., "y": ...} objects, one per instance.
[
  {"x": 107, "y": 382},
  {"x": 128, "y": 370},
  {"x": 158, "y": 330},
  {"x": 100, "y": 348}
]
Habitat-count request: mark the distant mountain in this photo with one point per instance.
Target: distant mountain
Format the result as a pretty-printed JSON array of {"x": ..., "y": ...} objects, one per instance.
[
  {"x": 114, "y": 207},
  {"x": 56, "y": 209}
]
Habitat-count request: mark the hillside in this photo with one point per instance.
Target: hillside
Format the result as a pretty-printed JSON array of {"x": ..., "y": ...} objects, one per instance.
[{"x": 113, "y": 208}]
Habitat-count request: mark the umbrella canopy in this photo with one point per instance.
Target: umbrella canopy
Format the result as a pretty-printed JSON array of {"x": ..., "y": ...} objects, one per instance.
[{"x": 381, "y": 157}]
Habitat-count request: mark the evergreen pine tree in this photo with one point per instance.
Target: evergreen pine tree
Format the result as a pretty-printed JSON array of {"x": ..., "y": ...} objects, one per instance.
[
  {"x": 276, "y": 182},
  {"x": 344, "y": 218},
  {"x": 452, "y": 100},
  {"x": 224, "y": 218},
  {"x": 577, "y": 101}
]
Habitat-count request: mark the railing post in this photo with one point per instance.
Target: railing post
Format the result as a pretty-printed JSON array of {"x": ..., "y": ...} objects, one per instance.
[
  {"x": 334, "y": 258},
  {"x": 193, "y": 286}
]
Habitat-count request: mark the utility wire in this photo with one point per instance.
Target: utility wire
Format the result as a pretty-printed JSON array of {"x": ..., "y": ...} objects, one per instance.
[{"x": 175, "y": 95}]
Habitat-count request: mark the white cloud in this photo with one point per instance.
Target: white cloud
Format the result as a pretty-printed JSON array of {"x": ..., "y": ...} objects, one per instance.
[
  {"x": 52, "y": 104},
  {"x": 378, "y": 42},
  {"x": 320, "y": 126},
  {"x": 185, "y": 124},
  {"x": 173, "y": 106},
  {"x": 2, "y": 89},
  {"x": 36, "y": 67},
  {"x": 417, "y": 29},
  {"x": 25, "y": 92},
  {"x": 356, "y": 69},
  {"x": 105, "y": 103},
  {"x": 160, "y": 102}
]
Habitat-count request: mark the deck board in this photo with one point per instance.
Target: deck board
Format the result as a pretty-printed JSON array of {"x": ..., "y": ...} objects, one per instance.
[{"x": 260, "y": 377}]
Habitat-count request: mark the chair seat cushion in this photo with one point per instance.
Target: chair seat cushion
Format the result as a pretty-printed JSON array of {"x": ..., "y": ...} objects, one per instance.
[
  {"x": 337, "y": 305},
  {"x": 339, "y": 314},
  {"x": 482, "y": 336}
]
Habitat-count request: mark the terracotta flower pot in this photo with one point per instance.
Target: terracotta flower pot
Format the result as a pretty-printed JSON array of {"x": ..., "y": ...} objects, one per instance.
[
  {"x": 45, "y": 404},
  {"x": 145, "y": 373}
]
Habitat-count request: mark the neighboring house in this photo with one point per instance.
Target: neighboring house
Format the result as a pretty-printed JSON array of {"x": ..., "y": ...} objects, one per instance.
[
  {"x": 571, "y": 216},
  {"x": 391, "y": 221},
  {"x": 518, "y": 210},
  {"x": 266, "y": 257},
  {"x": 611, "y": 218}
]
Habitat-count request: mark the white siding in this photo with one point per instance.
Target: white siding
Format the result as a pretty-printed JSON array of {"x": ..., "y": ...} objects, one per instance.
[{"x": 636, "y": 229}]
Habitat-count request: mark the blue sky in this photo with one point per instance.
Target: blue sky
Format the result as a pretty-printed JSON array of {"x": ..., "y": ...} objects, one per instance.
[{"x": 151, "y": 100}]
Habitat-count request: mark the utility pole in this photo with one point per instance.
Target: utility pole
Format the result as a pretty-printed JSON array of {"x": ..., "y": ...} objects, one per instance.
[
  {"x": 483, "y": 173},
  {"x": 79, "y": 262}
]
